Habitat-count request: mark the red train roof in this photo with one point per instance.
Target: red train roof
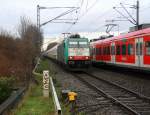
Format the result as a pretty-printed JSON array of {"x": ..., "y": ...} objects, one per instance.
[{"x": 131, "y": 34}]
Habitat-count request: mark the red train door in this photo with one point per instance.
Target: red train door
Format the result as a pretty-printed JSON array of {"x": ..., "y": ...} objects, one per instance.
[
  {"x": 139, "y": 52},
  {"x": 146, "y": 51},
  {"x": 113, "y": 52}
]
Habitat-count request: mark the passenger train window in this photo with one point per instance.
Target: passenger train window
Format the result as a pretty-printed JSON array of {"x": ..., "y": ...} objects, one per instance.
[
  {"x": 137, "y": 49},
  {"x": 123, "y": 49},
  {"x": 141, "y": 49},
  {"x": 118, "y": 50},
  {"x": 91, "y": 51},
  {"x": 100, "y": 51},
  {"x": 97, "y": 51},
  {"x": 147, "y": 46},
  {"x": 94, "y": 50},
  {"x": 104, "y": 50},
  {"x": 130, "y": 49},
  {"x": 113, "y": 50},
  {"x": 108, "y": 50}
]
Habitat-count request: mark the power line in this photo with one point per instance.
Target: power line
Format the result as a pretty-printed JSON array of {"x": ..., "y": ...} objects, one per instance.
[
  {"x": 89, "y": 9},
  {"x": 65, "y": 13},
  {"x": 84, "y": 13},
  {"x": 82, "y": 1},
  {"x": 101, "y": 16},
  {"x": 131, "y": 19},
  {"x": 86, "y": 4}
]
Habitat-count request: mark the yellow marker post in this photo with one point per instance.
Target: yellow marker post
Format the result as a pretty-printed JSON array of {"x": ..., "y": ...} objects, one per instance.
[
  {"x": 72, "y": 99},
  {"x": 72, "y": 96}
]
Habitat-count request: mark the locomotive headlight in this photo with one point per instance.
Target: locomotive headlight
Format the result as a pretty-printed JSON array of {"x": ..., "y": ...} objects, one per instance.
[
  {"x": 87, "y": 57},
  {"x": 70, "y": 57}
]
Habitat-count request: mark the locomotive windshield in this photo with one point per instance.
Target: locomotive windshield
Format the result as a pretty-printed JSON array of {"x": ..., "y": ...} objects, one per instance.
[
  {"x": 83, "y": 44},
  {"x": 73, "y": 44},
  {"x": 78, "y": 47},
  {"x": 78, "y": 44}
]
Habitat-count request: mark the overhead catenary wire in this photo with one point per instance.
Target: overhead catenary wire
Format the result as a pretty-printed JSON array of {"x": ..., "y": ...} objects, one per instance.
[
  {"x": 101, "y": 16},
  {"x": 87, "y": 10},
  {"x": 68, "y": 29},
  {"x": 86, "y": 4}
]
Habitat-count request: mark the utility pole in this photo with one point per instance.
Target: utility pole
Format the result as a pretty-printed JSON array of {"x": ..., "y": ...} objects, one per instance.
[
  {"x": 38, "y": 16},
  {"x": 70, "y": 10},
  {"x": 137, "y": 13},
  {"x": 129, "y": 17}
]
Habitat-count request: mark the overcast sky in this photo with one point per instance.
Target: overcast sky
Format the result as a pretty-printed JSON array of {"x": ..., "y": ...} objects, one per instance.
[{"x": 92, "y": 15}]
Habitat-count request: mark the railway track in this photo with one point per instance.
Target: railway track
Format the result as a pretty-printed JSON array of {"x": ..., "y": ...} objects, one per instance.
[{"x": 129, "y": 101}]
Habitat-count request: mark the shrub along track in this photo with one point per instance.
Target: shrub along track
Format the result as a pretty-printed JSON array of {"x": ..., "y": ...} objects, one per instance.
[{"x": 131, "y": 102}]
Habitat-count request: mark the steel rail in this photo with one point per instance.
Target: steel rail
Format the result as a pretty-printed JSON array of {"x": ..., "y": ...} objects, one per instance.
[
  {"x": 131, "y": 105},
  {"x": 124, "y": 88},
  {"x": 115, "y": 101}
]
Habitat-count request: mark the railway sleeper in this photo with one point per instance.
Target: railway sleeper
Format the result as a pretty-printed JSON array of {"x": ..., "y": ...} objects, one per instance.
[
  {"x": 145, "y": 113},
  {"x": 101, "y": 98},
  {"x": 118, "y": 95},
  {"x": 113, "y": 91},
  {"x": 128, "y": 98},
  {"x": 121, "y": 94},
  {"x": 132, "y": 101},
  {"x": 139, "y": 104},
  {"x": 139, "y": 108},
  {"x": 142, "y": 107}
]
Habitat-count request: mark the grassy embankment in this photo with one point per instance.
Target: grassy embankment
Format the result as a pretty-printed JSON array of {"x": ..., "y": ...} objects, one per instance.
[{"x": 34, "y": 103}]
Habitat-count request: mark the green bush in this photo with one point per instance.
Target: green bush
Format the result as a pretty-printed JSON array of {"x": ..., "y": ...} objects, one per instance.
[
  {"x": 44, "y": 65},
  {"x": 5, "y": 88}
]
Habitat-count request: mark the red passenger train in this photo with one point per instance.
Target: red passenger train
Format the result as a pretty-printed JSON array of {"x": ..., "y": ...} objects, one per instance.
[{"x": 129, "y": 50}]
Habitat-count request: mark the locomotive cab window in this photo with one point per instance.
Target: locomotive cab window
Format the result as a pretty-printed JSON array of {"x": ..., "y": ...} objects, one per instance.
[
  {"x": 147, "y": 46},
  {"x": 83, "y": 44},
  {"x": 73, "y": 44}
]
